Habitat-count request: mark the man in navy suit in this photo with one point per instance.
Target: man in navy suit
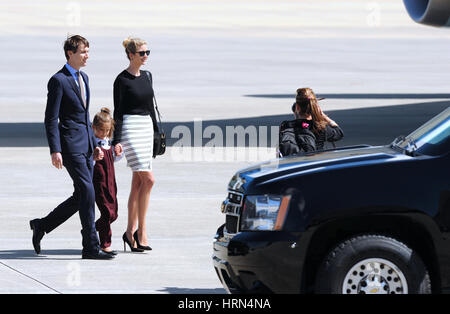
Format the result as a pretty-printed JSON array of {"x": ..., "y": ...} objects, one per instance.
[{"x": 71, "y": 141}]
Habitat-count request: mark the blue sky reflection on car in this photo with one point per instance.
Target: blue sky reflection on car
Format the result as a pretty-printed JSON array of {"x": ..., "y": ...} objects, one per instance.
[{"x": 430, "y": 139}]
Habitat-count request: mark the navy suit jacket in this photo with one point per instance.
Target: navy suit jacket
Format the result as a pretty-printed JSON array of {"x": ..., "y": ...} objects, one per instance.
[{"x": 67, "y": 122}]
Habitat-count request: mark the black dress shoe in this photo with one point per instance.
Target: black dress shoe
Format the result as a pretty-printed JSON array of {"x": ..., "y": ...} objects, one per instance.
[
  {"x": 113, "y": 253},
  {"x": 97, "y": 255},
  {"x": 142, "y": 247},
  {"x": 38, "y": 234}
]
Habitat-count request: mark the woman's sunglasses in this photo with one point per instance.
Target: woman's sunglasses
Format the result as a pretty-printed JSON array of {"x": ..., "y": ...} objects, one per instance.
[{"x": 143, "y": 53}]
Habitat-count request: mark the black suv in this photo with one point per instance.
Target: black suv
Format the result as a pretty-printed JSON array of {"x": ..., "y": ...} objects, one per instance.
[{"x": 358, "y": 219}]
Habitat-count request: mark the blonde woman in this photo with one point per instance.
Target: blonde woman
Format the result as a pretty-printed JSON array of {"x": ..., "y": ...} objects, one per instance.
[{"x": 135, "y": 125}]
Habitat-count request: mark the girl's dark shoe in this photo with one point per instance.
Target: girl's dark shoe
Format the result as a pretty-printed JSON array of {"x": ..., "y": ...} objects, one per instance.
[
  {"x": 143, "y": 247},
  {"x": 133, "y": 249}
]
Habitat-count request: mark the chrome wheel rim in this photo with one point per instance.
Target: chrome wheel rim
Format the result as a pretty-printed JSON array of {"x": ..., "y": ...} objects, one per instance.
[{"x": 375, "y": 276}]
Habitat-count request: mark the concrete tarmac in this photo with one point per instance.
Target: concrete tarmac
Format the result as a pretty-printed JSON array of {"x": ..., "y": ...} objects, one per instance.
[
  {"x": 182, "y": 220},
  {"x": 216, "y": 64}
]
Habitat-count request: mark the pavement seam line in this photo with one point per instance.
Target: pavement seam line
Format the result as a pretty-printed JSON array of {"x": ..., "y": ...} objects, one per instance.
[{"x": 29, "y": 277}]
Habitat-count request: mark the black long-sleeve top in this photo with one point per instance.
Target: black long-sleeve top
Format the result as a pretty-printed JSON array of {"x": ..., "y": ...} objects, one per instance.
[
  {"x": 329, "y": 134},
  {"x": 133, "y": 95}
]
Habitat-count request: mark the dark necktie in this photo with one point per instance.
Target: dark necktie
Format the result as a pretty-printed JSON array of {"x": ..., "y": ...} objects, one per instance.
[{"x": 82, "y": 90}]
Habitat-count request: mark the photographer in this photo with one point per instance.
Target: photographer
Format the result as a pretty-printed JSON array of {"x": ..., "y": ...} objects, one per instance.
[
  {"x": 306, "y": 109},
  {"x": 311, "y": 128}
]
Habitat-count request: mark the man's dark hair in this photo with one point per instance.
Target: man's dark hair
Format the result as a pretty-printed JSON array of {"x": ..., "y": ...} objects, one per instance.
[{"x": 72, "y": 43}]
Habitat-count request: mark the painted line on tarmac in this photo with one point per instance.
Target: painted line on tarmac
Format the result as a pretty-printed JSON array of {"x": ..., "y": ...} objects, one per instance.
[{"x": 29, "y": 277}]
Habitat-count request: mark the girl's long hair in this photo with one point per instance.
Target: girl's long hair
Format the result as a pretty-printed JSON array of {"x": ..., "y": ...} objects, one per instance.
[{"x": 308, "y": 103}]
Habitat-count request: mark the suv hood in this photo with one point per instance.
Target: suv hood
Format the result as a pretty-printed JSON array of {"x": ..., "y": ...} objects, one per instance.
[{"x": 313, "y": 161}]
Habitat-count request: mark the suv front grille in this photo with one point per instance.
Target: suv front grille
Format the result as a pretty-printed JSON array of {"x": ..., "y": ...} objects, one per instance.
[
  {"x": 231, "y": 223},
  {"x": 233, "y": 205}
]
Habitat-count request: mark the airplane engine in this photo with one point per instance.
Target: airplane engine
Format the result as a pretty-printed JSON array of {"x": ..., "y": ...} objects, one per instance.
[{"x": 429, "y": 12}]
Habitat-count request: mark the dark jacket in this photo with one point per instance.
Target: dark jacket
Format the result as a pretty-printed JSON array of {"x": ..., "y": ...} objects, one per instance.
[
  {"x": 73, "y": 133},
  {"x": 298, "y": 136},
  {"x": 329, "y": 134}
]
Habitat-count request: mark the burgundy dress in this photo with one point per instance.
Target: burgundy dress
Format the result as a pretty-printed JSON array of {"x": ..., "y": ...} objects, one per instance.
[{"x": 105, "y": 194}]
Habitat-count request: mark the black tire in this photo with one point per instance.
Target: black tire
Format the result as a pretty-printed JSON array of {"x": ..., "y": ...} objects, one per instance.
[{"x": 344, "y": 262}]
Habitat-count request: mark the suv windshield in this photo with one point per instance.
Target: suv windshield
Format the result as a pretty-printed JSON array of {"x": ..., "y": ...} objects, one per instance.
[{"x": 432, "y": 138}]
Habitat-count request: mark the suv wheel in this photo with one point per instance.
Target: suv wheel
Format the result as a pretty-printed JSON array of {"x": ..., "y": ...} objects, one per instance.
[{"x": 372, "y": 264}]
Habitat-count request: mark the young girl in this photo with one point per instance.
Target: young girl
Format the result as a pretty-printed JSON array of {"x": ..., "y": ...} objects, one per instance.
[{"x": 104, "y": 178}]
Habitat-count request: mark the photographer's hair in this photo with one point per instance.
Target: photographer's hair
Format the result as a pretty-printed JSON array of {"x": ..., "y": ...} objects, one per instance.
[
  {"x": 309, "y": 105},
  {"x": 132, "y": 44},
  {"x": 103, "y": 118},
  {"x": 72, "y": 43}
]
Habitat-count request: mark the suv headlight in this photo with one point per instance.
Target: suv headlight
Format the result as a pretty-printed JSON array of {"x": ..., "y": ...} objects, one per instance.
[{"x": 264, "y": 212}]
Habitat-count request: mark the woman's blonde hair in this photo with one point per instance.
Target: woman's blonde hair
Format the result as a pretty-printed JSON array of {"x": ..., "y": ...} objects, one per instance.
[
  {"x": 131, "y": 45},
  {"x": 309, "y": 105},
  {"x": 102, "y": 118}
]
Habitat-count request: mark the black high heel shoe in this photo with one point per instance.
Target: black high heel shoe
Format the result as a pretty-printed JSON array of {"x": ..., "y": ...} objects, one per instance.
[
  {"x": 142, "y": 247},
  {"x": 133, "y": 249}
]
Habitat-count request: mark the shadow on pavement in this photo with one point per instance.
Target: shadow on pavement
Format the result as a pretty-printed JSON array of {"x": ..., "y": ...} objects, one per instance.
[
  {"x": 373, "y": 126},
  {"x": 45, "y": 254},
  {"x": 359, "y": 96}
]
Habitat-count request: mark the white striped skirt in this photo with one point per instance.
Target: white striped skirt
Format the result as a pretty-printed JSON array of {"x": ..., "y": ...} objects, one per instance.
[{"x": 137, "y": 141}]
